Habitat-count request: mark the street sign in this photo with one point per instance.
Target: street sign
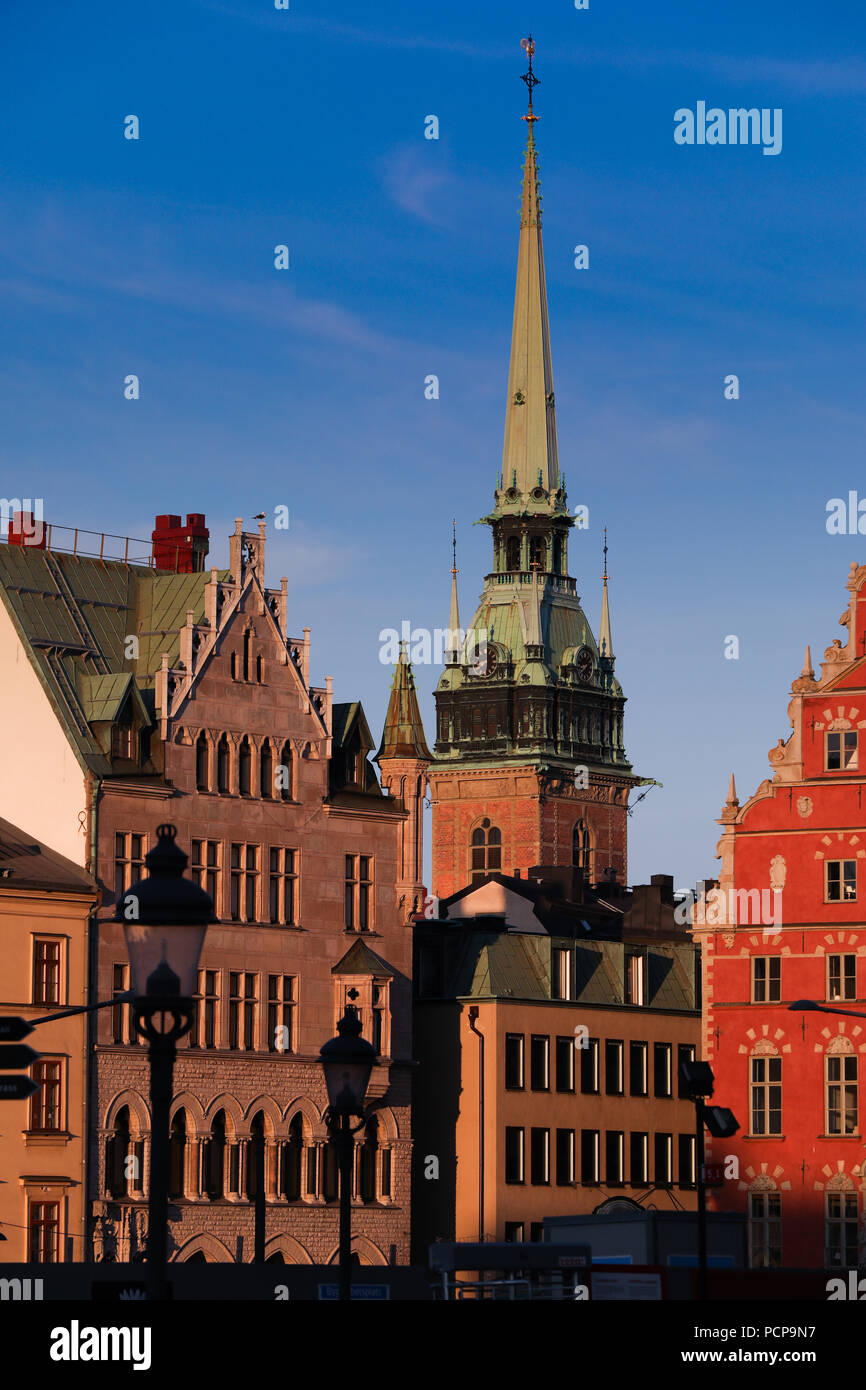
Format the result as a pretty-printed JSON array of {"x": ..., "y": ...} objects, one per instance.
[
  {"x": 13, "y": 1028},
  {"x": 11, "y": 1058},
  {"x": 17, "y": 1087}
]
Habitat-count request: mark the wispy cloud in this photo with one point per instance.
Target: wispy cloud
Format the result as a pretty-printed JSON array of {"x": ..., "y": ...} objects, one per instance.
[{"x": 416, "y": 186}]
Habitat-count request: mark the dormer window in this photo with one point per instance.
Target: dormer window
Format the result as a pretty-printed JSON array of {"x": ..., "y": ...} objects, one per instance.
[
  {"x": 841, "y": 751},
  {"x": 122, "y": 741}
]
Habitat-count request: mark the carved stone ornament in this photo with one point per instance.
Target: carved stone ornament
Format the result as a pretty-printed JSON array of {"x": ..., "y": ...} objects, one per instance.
[
  {"x": 778, "y": 872},
  {"x": 834, "y": 653},
  {"x": 804, "y": 806}
]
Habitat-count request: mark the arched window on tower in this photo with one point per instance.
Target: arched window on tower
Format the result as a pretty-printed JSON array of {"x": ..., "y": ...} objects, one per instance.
[
  {"x": 292, "y": 1161},
  {"x": 485, "y": 850},
  {"x": 557, "y": 554},
  {"x": 201, "y": 762},
  {"x": 266, "y": 771},
  {"x": 538, "y": 553},
  {"x": 512, "y": 553},
  {"x": 118, "y": 1146},
  {"x": 177, "y": 1156},
  {"x": 223, "y": 766},
  {"x": 581, "y": 848},
  {"x": 248, "y": 650},
  {"x": 245, "y": 759},
  {"x": 214, "y": 1159}
]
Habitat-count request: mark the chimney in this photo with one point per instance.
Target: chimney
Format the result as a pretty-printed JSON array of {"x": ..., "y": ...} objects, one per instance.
[{"x": 178, "y": 548}]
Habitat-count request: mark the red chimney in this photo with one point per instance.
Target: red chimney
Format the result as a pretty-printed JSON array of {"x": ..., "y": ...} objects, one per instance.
[{"x": 181, "y": 549}]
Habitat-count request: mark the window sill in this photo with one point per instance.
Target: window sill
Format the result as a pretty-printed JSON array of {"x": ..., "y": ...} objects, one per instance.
[
  {"x": 774, "y": 1138},
  {"x": 843, "y": 1137},
  {"x": 35, "y": 1138}
]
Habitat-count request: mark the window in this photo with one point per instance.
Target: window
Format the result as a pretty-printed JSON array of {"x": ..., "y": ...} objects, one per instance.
[
  {"x": 223, "y": 766},
  {"x": 766, "y": 979},
  {"x": 243, "y": 1005},
  {"x": 202, "y": 763},
  {"x": 613, "y": 1157},
  {"x": 663, "y": 1146},
  {"x": 46, "y": 1114},
  {"x": 120, "y": 1020},
  {"x": 514, "y": 1062},
  {"x": 122, "y": 740},
  {"x": 205, "y": 868},
  {"x": 842, "y": 977},
  {"x": 244, "y": 882},
  {"x": 662, "y": 1079},
  {"x": 177, "y": 1156},
  {"x": 282, "y": 886},
  {"x": 359, "y": 882},
  {"x": 213, "y": 1174},
  {"x": 380, "y": 1006},
  {"x": 234, "y": 665},
  {"x": 613, "y": 1078},
  {"x": 565, "y": 1064},
  {"x": 281, "y": 1013},
  {"x": 589, "y": 1067},
  {"x": 284, "y": 772},
  {"x": 248, "y": 647},
  {"x": 368, "y": 1161},
  {"x": 638, "y": 1078},
  {"x": 842, "y": 1094},
  {"x": 266, "y": 771},
  {"x": 539, "y": 1147},
  {"x": 766, "y": 1095},
  {"x": 291, "y": 1165},
  {"x": 245, "y": 767},
  {"x": 539, "y": 1065},
  {"x": 639, "y": 1159},
  {"x": 561, "y": 973},
  {"x": 514, "y": 1142},
  {"x": 485, "y": 850},
  {"x": 128, "y": 861},
  {"x": 635, "y": 977},
  {"x": 765, "y": 1230},
  {"x": 564, "y": 1157},
  {"x": 841, "y": 1230},
  {"x": 44, "y": 1233},
  {"x": 840, "y": 884},
  {"x": 589, "y": 1156},
  {"x": 841, "y": 751},
  {"x": 581, "y": 848},
  {"x": 685, "y": 1053},
  {"x": 46, "y": 970},
  {"x": 260, "y": 668},
  {"x": 687, "y": 1160},
  {"x": 204, "y": 1025},
  {"x": 514, "y": 1232}
]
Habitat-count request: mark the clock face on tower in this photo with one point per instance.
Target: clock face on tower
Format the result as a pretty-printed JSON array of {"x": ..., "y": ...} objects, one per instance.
[
  {"x": 584, "y": 663},
  {"x": 492, "y": 662}
]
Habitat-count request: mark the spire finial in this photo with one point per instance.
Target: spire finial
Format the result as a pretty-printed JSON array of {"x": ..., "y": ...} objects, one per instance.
[
  {"x": 454, "y": 569},
  {"x": 604, "y": 576},
  {"x": 529, "y": 78}
]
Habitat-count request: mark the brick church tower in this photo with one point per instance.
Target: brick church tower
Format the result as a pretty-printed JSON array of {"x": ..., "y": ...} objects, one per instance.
[{"x": 529, "y": 766}]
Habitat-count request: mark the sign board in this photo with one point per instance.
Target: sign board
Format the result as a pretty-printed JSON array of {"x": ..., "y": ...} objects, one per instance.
[
  {"x": 17, "y": 1087},
  {"x": 628, "y": 1285},
  {"x": 571, "y": 1262},
  {"x": 13, "y": 1028},
  {"x": 361, "y": 1292},
  {"x": 19, "y": 1055}
]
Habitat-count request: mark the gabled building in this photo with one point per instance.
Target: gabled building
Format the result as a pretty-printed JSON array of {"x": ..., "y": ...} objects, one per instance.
[
  {"x": 133, "y": 695},
  {"x": 786, "y": 923}
]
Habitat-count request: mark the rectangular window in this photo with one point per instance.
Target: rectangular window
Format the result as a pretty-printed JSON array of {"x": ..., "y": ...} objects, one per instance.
[
  {"x": 639, "y": 1159},
  {"x": 638, "y": 1078},
  {"x": 514, "y": 1142},
  {"x": 539, "y": 1063},
  {"x": 359, "y": 892},
  {"x": 766, "y": 1095},
  {"x": 842, "y": 1094},
  {"x": 46, "y": 1112},
  {"x": 514, "y": 1232},
  {"x": 663, "y": 1145},
  {"x": 613, "y": 1157},
  {"x": 205, "y": 868},
  {"x": 282, "y": 886},
  {"x": 841, "y": 751},
  {"x": 46, "y": 970},
  {"x": 120, "y": 1022},
  {"x": 244, "y": 869},
  {"x": 687, "y": 1160},
  {"x": 841, "y": 1228},
  {"x": 561, "y": 974},
  {"x": 589, "y": 1067},
  {"x": 766, "y": 979},
  {"x": 765, "y": 1230},
  {"x": 564, "y": 1157},
  {"x": 662, "y": 1079},
  {"x": 204, "y": 1027},
  {"x": 685, "y": 1053},
  {"x": 613, "y": 1078},
  {"x": 565, "y": 1064},
  {"x": 129, "y": 851},
  {"x": 514, "y": 1062},
  {"x": 281, "y": 1013},
  {"x": 635, "y": 977},
  {"x": 590, "y": 1145},
  {"x": 250, "y": 1011},
  {"x": 44, "y": 1233},
  {"x": 539, "y": 1144},
  {"x": 840, "y": 884},
  {"x": 841, "y": 977}
]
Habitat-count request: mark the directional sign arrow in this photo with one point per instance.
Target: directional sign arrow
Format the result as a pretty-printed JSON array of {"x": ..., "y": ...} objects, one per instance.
[
  {"x": 13, "y": 1028},
  {"x": 17, "y": 1087},
  {"x": 11, "y": 1058}
]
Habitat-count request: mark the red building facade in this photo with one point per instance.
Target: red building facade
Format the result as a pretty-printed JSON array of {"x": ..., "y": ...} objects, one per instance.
[{"x": 787, "y": 924}]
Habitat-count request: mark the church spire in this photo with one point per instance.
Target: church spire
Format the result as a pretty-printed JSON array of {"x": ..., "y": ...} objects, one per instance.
[
  {"x": 529, "y": 458},
  {"x": 605, "y": 637},
  {"x": 452, "y": 651},
  {"x": 403, "y": 735}
]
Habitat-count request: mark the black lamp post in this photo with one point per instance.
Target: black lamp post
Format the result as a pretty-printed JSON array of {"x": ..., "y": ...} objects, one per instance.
[
  {"x": 698, "y": 1082},
  {"x": 347, "y": 1062},
  {"x": 165, "y": 917}
]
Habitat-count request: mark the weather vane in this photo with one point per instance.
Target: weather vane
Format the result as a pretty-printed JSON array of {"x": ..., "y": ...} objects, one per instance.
[{"x": 529, "y": 77}]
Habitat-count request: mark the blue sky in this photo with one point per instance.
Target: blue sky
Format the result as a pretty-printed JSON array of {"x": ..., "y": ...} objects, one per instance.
[{"x": 306, "y": 387}]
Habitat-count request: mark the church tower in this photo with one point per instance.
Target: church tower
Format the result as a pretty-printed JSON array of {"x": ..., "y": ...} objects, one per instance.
[
  {"x": 529, "y": 766},
  {"x": 403, "y": 759}
]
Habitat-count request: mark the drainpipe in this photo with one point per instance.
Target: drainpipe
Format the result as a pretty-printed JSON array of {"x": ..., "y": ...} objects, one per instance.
[
  {"x": 473, "y": 1017},
  {"x": 93, "y": 786}
]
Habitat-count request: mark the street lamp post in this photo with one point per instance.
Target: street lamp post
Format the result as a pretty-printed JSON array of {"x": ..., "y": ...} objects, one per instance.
[
  {"x": 698, "y": 1082},
  {"x": 347, "y": 1061},
  {"x": 165, "y": 917}
]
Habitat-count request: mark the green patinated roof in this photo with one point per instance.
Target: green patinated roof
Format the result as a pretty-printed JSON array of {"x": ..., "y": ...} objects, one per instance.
[
  {"x": 403, "y": 734},
  {"x": 360, "y": 960}
]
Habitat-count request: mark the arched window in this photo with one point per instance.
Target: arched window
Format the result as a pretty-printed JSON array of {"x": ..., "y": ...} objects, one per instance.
[
  {"x": 266, "y": 771},
  {"x": 177, "y": 1156},
  {"x": 285, "y": 772},
  {"x": 257, "y": 1137},
  {"x": 512, "y": 553},
  {"x": 581, "y": 848},
  {"x": 248, "y": 653},
  {"x": 292, "y": 1161},
  {"x": 244, "y": 767},
  {"x": 214, "y": 1159},
  {"x": 538, "y": 553},
  {"x": 557, "y": 554},
  {"x": 201, "y": 762},
  {"x": 485, "y": 850},
  {"x": 118, "y": 1146},
  {"x": 260, "y": 668},
  {"x": 330, "y": 1172},
  {"x": 223, "y": 766},
  {"x": 234, "y": 665},
  {"x": 367, "y": 1161}
]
